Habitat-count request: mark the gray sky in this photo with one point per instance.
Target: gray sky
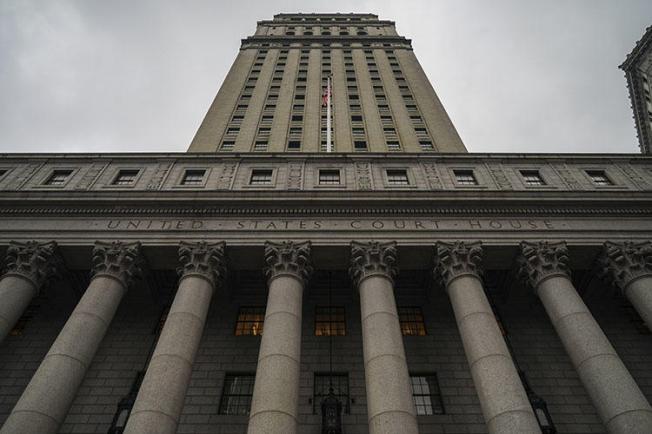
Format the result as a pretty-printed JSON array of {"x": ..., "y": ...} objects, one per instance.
[{"x": 112, "y": 76}]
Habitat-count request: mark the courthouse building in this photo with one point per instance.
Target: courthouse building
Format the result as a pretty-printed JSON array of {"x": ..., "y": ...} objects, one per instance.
[{"x": 271, "y": 280}]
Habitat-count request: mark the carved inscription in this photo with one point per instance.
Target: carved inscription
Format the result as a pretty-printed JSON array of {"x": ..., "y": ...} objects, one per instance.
[{"x": 331, "y": 225}]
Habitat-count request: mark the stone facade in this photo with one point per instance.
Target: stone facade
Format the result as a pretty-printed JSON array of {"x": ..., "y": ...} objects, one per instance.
[{"x": 468, "y": 293}]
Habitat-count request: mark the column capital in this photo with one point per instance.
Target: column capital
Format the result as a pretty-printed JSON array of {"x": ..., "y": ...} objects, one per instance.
[
  {"x": 202, "y": 259},
  {"x": 288, "y": 258},
  {"x": 622, "y": 263},
  {"x": 541, "y": 260},
  {"x": 34, "y": 261},
  {"x": 456, "y": 259},
  {"x": 373, "y": 258},
  {"x": 118, "y": 260}
]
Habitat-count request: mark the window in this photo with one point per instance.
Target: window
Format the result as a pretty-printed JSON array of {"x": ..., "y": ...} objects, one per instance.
[
  {"x": 360, "y": 145},
  {"x": 330, "y": 321},
  {"x": 411, "y": 320},
  {"x": 599, "y": 177},
  {"x": 356, "y": 118},
  {"x": 261, "y": 177},
  {"x": 227, "y": 145},
  {"x": 465, "y": 177},
  {"x": 426, "y": 394},
  {"x": 393, "y": 145},
  {"x": 193, "y": 177},
  {"x": 294, "y": 144},
  {"x": 24, "y": 319},
  {"x": 397, "y": 177},
  {"x": 250, "y": 321},
  {"x": 236, "y": 394},
  {"x": 58, "y": 177},
  {"x": 297, "y": 118},
  {"x": 323, "y": 383},
  {"x": 329, "y": 177},
  {"x": 260, "y": 145},
  {"x": 532, "y": 177},
  {"x": 426, "y": 145},
  {"x": 126, "y": 177}
]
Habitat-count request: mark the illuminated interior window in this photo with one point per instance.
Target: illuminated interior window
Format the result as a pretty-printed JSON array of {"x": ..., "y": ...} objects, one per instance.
[{"x": 250, "y": 321}]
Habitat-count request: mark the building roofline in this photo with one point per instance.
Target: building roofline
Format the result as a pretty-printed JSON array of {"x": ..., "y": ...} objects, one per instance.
[{"x": 638, "y": 50}]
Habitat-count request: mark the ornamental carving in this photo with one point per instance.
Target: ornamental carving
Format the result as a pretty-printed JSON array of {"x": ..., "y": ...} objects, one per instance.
[
  {"x": 203, "y": 259},
  {"x": 38, "y": 262},
  {"x": 288, "y": 257},
  {"x": 621, "y": 263},
  {"x": 456, "y": 259},
  {"x": 121, "y": 261},
  {"x": 373, "y": 258},
  {"x": 541, "y": 260}
]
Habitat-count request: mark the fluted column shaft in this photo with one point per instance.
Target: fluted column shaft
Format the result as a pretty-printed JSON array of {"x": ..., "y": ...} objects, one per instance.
[
  {"x": 628, "y": 266},
  {"x": 45, "y": 402},
  {"x": 29, "y": 267},
  {"x": 390, "y": 406},
  {"x": 505, "y": 405},
  {"x": 161, "y": 395},
  {"x": 275, "y": 401},
  {"x": 620, "y": 403}
]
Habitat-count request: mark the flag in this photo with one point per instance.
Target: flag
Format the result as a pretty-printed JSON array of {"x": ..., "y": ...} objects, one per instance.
[{"x": 326, "y": 95}]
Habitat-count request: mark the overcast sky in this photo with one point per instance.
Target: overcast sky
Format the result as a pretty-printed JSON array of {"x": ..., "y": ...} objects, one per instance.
[{"x": 113, "y": 76}]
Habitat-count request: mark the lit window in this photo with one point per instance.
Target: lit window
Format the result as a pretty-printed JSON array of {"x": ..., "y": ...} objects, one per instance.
[
  {"x": 24, "y": 319},
  {"x": 397, "y": 177},
  {"x": 465, "y": 177},
  {"x": 426, "y": 394},
  {"x": 261, "y": 177},
  {"x": 250, "y": 321},
  {"x": 411, "y": 320},
  {"x": 330, "y": 321},
  {"x": 323, "y": 384},
  {"x": 58, "y": 177},
  {"x": 599, "y": 177},
  {"x": 193, "y": 177},
  {"x": 532, "y": 177},
  {"x": 236, "y": 394},
  {"x": 126, "y": 177}
]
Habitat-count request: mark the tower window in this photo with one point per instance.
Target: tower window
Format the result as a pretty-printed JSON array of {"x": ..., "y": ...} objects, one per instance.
[
  {"x": 250, "y": 321},
  {"x": 360, "y": 145},
  {"x": 411, "y": 321},
  {"x": 426, "y": 145},
  {"x": 261, "y": 177},
  {"x": 294, "y": 144},
  {"x": 393, "y": 145},
  {"x": 329, "y": 177},
  {"x": 227, "y": 145},
  {"x": 58, "y": 177},
  {"x": 330, "y": 321},
  {"x": 599, "y": 177},
  {"x": 465, "y": 177},
  {"x": 126, "y": 177},
  {"x": 426, "y": 394},
  {"x": 340, "y": 385},
  {"x": 236, "y": 394},
  {"x": 397, "y": 177},
  {"x": 532, "y": 177},
  {"x": 193, "y": 177}
]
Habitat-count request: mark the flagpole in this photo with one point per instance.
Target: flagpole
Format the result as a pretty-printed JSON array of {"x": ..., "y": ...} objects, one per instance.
[{"x": 329, "y": 146}]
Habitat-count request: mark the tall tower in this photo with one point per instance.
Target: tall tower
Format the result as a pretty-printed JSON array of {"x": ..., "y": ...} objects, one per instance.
[
  {"x": 638, "y": 71},
  {"x": 271, "y": 99}
]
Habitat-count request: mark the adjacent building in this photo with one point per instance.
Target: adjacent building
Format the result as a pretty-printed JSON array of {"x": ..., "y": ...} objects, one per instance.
[
  {"x": 268, "y": 281},
  {"x": 638, "y": 71}
]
